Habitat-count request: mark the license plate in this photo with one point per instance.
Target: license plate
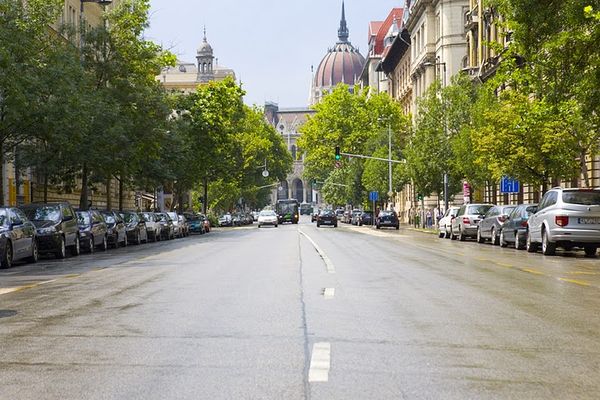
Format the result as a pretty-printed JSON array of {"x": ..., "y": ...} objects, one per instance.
[{"x": 589, "y": 221}]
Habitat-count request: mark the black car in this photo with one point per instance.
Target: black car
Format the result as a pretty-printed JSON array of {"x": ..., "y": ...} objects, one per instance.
[
  {"x": 327, "y": 217},
  {"x": 365, "y": 218},
  {"x": 56, "y": 227},
  {"x": 387, "y": 219},
  {"x": 135, "y": 227},
  {"x": 93, "y": 232},
  {"x": 117, "y": 234},
  {"x": 167, "y": 230},
  {"x": 17, "y": 237}
]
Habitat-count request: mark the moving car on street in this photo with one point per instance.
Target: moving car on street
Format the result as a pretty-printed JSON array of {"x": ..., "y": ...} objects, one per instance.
[
  {"x": 17, "y": 237},
  {"x": 287, "y": 211},
  {"x": 327, "y": 217},
  {"x": 387, "y": 218},
  {"x": 491, "y": 224},
  {"x": 267, "y": 217},
  {"x": 467, "y": 220},
  {"x": 445, "y": 223},
  {"x": 514, "y": 229},
  {"x": 93, "y": 231},
  {"x": 566, "y": 218},
  {"x": 56, "y": 227}
]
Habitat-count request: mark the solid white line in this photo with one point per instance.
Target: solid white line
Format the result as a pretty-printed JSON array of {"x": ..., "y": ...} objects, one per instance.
[
  {"x": 328, "y": 264},
  {"x": 320, "y": 362},
  {"x": 8, "y": 290},
  {"x": 329, "y": 293}
]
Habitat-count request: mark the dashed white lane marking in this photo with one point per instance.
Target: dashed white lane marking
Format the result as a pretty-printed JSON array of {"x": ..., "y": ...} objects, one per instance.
[
  {"x": 326, "y": 260},
  {"x": 320, "y": 362},
  {"x": 329, "y": 293}
]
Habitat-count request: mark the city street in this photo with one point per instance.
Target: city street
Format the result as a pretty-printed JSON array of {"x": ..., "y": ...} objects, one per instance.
[{"x": 297, "y": 312}]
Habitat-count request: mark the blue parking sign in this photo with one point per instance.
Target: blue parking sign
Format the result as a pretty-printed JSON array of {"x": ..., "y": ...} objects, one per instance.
[
  {"x": 373, "y": 196},
  {"x": 508, "y": 185}
]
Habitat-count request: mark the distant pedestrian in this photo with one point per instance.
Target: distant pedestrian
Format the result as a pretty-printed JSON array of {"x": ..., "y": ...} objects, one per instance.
[{"x": 429, "y": 219}]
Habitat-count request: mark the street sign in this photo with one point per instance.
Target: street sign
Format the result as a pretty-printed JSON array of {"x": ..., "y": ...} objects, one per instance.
[
  {"x": 373, "y": 196},
  {"x": 508, "y": 185},
  {"x": 265, "y": 173}
]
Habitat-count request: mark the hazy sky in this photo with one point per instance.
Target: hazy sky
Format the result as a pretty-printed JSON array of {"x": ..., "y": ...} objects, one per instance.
[{"x": 271, "y": 44}]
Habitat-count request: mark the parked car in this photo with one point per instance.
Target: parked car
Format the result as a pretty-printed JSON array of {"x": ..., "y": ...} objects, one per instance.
[
  {"x": 339, "y": 213},
  {"x": 135, "y": 227},
  {"x": 17, "y": 237},
  {"x": 327, "y": 217},
  {"x": 491, "y": 224},
  {"x": 184, "y": 226},
  {"x": 196, "y": 223},
  {"x": 387, "y": 218},
  {"x": 445, "y": 223},
  {"x": 166, "y": 226},
  {"x": 255, "y": 215},
  {"x": 152, "y": 225},
  {"x": 267, "y": 217},
  {"x": 514, "y": 229},
  {"x": 116, "y": 232},
  {"x": 355, "y": 216},
  {"x": 365, "y": 218},
  {"x": 467, "y": 220},
  {"x": 226, "y": 220},
  {"x": 177, "y": 229},
  {"x": 93, "y": 231},
  {"x": 566, "y": 218},
  {"x": 236, "y": 219},
  {"x": 56, "y": 228}
]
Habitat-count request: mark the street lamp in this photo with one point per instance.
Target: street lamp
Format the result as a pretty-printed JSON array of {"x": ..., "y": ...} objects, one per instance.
[{"x": 443, "y": 64}]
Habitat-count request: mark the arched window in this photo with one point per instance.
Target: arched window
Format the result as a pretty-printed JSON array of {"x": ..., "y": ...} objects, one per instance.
[
  {"x": 209, "y": 67},
  {"x": 294, "y": 152}
]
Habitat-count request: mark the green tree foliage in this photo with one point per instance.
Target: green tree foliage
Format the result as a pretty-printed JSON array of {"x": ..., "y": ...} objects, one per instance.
[{"x": 355, "y": 122}]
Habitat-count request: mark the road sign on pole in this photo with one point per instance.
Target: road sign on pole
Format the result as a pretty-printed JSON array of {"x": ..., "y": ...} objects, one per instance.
[
  {"x": 508, "y": 185},
  {"x": 373, "y": 196}
]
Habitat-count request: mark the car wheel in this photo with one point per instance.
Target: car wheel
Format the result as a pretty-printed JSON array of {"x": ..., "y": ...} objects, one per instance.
[
  {"x": 479, "y": 238},
  {"x": 590, "y": 251},
  {"x": 318, "y": 225},
  {"x": 335, "y": 226},
  {"x": 495, "y": 239},
  {"x": 35, "y": 254},
  {"x": 275, "y": 225},
  {"x": 529, "y": 245},
  {"x": 76, "y": 248},
  {"x": 90, "y": 245},
  {"x": 548, "y": 247},
  {"x": 378, "y": 227},
  {"x": 502, "y": 241},
  {"x": 258, "y": 226},
  {"x": 7, "y": 257},
  {"x": 461, "y": 235},
  {"x": 519, "y": 245},
  {"x": 452, "y": 236},
  {"x": 62, "y": 249}
]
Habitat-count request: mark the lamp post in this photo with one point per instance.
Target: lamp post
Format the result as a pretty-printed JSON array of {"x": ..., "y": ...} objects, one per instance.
[{"x": 443, "y": 64}]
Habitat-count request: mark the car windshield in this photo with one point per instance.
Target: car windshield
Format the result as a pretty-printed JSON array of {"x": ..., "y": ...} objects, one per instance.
[
  {"x": 367, "y": 213},
  {"x": 130, "y": 217},
  {"x": 3, "y": 217},
  {"x": 478, "y": 209},
  {"x": 327, "y": 213},
  {"x": 267, "y": 213},
  {"x": 386, "y": 213},
  {"x": 173, "y": 216},
  {"x": 83, "y": 218},
  {"x": 193, "y": 218},
  {"x": 586, "y": 198},
  {"x": 109, "y": 218},
  {"x": 147, "y": 217},
  {"x": 44, "y": 213}
]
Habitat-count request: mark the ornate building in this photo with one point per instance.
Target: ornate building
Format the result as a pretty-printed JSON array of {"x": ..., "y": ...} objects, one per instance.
[
  {"x": 342, "y": 64},
  {"x": 186, "y": 76}
]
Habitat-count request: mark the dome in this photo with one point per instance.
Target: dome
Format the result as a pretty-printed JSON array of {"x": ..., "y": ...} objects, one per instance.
[
  {"x": 205, "y": 47},
  {"x": 342, "y": 64}
]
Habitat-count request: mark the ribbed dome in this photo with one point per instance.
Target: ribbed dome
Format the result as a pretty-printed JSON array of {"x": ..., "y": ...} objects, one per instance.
[
  {"x": 205, "y": 47},
  {"x": 342, "y": 64}
]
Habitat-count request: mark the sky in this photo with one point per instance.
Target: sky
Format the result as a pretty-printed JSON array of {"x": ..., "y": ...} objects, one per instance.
[{"x": 270, "y": 44}]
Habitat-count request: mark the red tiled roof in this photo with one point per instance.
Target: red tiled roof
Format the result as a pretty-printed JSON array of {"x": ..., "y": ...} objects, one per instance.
[
  {"x": 374, "y": 27},
  {"x": 385, "y": 27}
]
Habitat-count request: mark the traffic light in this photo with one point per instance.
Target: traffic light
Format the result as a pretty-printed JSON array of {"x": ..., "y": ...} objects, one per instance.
[{"x": 337, "y": 153}]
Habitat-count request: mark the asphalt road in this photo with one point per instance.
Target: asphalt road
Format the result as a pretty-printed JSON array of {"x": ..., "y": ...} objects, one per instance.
[{"x": 297, "y": 312}]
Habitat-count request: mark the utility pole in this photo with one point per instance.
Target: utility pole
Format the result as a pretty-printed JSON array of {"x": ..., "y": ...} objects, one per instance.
[{"x": 390, "y": 158}]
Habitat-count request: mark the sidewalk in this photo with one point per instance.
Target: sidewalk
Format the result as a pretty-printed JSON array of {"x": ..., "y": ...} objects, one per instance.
[{"x": 431, "y": 231}]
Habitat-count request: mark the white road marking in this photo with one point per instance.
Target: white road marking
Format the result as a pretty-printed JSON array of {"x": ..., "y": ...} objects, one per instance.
[
  {"x": 320, "y": 362},
  {"x": 326, "y": 260},
  {"x": 329, "y": 293},
  {"x": 8, "y": 290}
]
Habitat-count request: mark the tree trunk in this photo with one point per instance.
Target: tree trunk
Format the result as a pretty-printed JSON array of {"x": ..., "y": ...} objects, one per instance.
[
  {"x": 121, "y": 193},
  {"x": 45, "y": 188},
  {"x": 584, "y": 169},
  {"x": 2, "y": 174},
  {"x": 205, "y": 203},
  {"x": 83, "y": 199},
  {"x": 108, "y": 194}
]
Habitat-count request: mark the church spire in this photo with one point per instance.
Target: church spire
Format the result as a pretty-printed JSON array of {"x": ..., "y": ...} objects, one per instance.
[{"x": 343, "y": 32}]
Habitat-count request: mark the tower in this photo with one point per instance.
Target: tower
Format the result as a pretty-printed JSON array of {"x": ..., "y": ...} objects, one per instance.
[{"x": 205, "y": 59}]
